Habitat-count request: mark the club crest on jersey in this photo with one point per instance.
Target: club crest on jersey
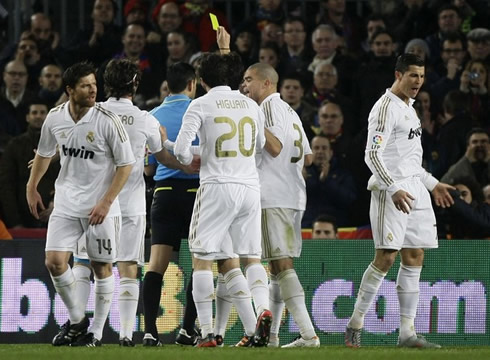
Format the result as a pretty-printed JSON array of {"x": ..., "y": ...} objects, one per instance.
[
  {"x": 377, "y": 139},
  {"x": 90, "y": 137}
]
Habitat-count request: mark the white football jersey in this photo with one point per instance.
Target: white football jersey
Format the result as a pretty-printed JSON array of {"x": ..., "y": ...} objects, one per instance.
[
  {"x": 89, "y": 151},
  {"x": 281, "y": 179},
  {"x": 142, "y": 128},
  {"x": 230, "y": 127},
  {"x": 394, "y": 149}
]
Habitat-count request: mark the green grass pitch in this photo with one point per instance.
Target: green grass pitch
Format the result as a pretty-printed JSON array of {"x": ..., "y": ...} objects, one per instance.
[{"x": 174, "y": 352}]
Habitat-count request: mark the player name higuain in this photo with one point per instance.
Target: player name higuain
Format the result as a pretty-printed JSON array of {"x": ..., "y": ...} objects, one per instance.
[{"x": 231, "y": 104}]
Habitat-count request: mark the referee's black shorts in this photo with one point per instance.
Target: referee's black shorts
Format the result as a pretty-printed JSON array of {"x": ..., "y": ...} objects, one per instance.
[{"x": 171, "y": 211}]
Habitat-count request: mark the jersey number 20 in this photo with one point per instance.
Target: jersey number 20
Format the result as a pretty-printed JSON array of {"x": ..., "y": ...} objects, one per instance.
[{"x": 245, "y": 121}]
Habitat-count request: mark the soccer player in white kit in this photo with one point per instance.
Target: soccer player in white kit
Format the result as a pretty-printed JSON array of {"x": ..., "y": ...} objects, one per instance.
[
  {"x": 96, "y": 160},
  {"x": 283, "y": 201},
  {"x": 225, "y": 222},
  {"x": 121, "y": 79},
  {"x": 402, "y": 218}
]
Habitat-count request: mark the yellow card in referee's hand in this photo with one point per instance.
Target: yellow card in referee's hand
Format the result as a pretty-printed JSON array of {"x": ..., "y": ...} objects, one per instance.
[{"x": 214, "y": 21}]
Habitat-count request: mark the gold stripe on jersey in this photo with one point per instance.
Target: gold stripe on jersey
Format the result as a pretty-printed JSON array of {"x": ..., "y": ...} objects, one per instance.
[
  {"x": 57, "y": 108},
  {"x": 115, "y": 120},
  {"x": 381, "y": 214},
  {"x": 373, "y": 156},
  {"x": 195, "y": 215},
  {"x": 268, "y": 114},
  {"x": 266, "y": 245},
  {"x": 383, "y": 111}
]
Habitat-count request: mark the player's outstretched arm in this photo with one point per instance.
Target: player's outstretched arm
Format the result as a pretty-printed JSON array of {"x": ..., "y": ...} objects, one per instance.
[
  {"x": 34, "y": 200},
  {"x": 441, "y": 195},
  {"x": 99, "y": 211},
  {"x": 170, "y": 161}
]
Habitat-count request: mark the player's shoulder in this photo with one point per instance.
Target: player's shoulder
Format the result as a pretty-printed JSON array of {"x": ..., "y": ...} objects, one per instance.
[
  {"x": 101, "y": 110},
  {"x": 58, "y": 109}
]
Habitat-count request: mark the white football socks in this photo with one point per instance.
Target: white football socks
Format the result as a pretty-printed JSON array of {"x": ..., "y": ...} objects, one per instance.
[
  {"x": 104, "y": 291},
  {"x": 65, "y": 286},
  {"x": 129, "y": 292},
  {"x": 370, "y": 283},
  {"x": 257, "y": 283}
]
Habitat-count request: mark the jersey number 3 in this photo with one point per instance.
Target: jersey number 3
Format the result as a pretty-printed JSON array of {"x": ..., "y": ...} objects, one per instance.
[{"x": 245, "y": 121}]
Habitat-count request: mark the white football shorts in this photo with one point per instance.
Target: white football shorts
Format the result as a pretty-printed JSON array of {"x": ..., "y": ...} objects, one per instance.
[
  {"x": 281, "y": 233},
  {"x": 225, "y": 222},
  {"x": 65, "y": 233},
  {"x": 393, "y": 229}
]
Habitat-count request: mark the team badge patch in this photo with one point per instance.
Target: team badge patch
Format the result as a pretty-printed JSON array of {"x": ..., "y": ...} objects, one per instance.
[
  {"x": 377, "y": 139},
  {"x": 90, "y": 137}
]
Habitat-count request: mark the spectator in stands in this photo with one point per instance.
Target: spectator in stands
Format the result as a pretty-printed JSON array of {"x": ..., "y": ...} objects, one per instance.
[
  {"x": 50, "y": 82},
  {"x": 14, "y": 101},
  {"x": 329, "y": 187},
  {"x": 376, "y": 75},
  {"x": 166, "y": 15},
  {"x": 475, "y": 162},
  {"x": 412, "y": 19},
  {"x": 474, "y": 14},
  {"x": 469, "y": 216},
  {"x": 486, "y": 193},
  {"x": 102, "y": 39},
  {"x": 179, "y": 48},
  {"x": 449, "y": 70},
  {"x": 474, "y": 82},
  {"x": 450, "y": 140},
  {"x": 325, "y": 88},
  {"x": 333, "y": 13},
  {"x": 135, "y": 11},
  {"x": 292, "y": 91},
  {"x": 448, "y": 21},
  {"x": 325, "y": 42},
  {"x": 14, "y": 173},
  {"x": 269, "y": 53},
  {"x": 272, "y": 32},
  {"x": 245, "y": 44},
  {"x": 324, "y": 227},
  {"x": 48, "y": 40},
  {"x": 27, "y": 52},
  {"x": 374, "y": 22},
  {"x": 296, "y": 56},
  {"x": 134, "y": 41},
  {"x": 479, "y": 44}
]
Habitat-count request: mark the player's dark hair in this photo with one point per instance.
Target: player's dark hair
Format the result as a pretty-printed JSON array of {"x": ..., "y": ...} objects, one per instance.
[
  {"x": 404, "y": 61},
  {"x": 216, "y": 69},
  {"x": 178, "y": 75},
  {"x": 121, "y": 78},
  {"x": 74, "y": 73}
]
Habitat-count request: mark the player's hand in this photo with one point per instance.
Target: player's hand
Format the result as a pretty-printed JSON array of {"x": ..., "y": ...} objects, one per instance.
[
  {"x": 441, "y": 195},
  {"x": 30, "y": 162},
  {"x": 45, "y": 214},
  {"x": 99, "y": 212},
  {"x": 35, "y": 202},
  {"x": 403, "y": 201},
  {"x": 223, "y": 38}
]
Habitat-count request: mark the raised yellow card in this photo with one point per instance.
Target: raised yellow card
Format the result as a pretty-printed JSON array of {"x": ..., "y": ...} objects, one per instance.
[{"x": 214, "y": 21}]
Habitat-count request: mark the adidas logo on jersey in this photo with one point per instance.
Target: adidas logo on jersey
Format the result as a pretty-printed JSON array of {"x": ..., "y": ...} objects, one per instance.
[{"x": 80, "y": 153}]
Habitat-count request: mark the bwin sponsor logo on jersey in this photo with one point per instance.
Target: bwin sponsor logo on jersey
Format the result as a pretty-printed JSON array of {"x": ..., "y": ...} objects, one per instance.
[
  {"x": 80, "y": 153},
  {"x": 414, "y": 133}
]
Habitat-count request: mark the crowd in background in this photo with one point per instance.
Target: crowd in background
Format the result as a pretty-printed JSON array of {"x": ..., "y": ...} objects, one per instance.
[{"x": 333, "y": 66}]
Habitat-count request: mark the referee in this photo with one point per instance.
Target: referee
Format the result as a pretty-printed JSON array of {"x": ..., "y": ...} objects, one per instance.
[{"x": 171, "y": 209}]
